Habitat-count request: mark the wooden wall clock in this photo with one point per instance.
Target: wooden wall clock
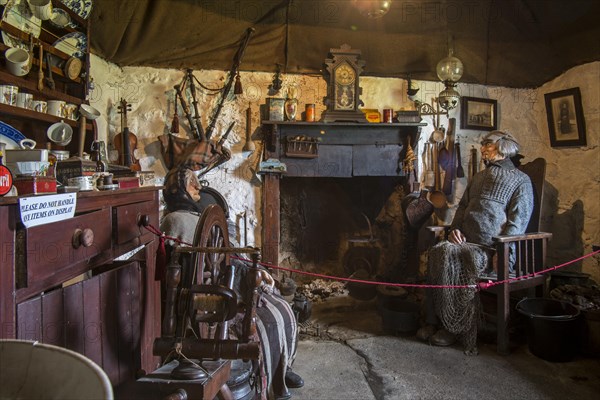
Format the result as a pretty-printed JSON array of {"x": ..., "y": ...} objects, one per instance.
[{"x": 343, "y": 90}]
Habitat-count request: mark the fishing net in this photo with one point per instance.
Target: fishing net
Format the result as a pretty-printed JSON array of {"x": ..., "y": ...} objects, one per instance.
[{"x": 458, "y": 308}]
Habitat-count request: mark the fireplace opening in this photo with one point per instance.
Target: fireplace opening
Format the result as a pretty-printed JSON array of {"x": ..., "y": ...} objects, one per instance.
[{"x": 340, "y": 226}]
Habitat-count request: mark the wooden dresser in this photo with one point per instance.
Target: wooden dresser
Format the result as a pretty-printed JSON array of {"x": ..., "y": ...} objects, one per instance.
[{"x": 60, "y": 283}]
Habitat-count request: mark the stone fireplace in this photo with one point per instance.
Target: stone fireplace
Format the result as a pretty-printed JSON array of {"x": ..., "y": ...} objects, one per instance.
[{"x": 337, "y": 212}]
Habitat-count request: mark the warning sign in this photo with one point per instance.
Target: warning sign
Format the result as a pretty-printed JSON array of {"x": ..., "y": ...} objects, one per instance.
[{"x": 45, "y": 209}]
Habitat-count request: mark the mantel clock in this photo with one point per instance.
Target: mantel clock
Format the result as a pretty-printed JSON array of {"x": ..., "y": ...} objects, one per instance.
[{"x": 343, "y": 91}]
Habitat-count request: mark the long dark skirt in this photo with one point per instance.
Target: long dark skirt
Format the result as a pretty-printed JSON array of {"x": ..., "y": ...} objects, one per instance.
[{"x": 278, "y": 333}]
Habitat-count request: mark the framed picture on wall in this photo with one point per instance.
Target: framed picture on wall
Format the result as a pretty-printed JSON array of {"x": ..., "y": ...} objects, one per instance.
[
  {"x": 478, "y": 114},
  {"x": 566, "y": 124}
]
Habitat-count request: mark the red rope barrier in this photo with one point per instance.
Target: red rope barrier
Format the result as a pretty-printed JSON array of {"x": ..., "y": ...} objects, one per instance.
[{"x": 479, "y": 286}]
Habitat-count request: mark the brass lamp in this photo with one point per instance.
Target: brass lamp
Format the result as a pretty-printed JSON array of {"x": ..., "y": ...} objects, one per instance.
[{"x": 449, "y": 70}]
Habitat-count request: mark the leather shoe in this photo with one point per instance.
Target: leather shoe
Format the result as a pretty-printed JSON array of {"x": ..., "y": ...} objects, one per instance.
[
  {"x": 293, "y": 380},
  {"x": 425, "y": 332},
  {"x": 442, "y": 338},
  {"x": 285, "y": 396}
]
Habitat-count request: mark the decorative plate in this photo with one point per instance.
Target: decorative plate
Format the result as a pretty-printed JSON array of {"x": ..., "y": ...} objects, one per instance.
[
  {"x": 83, "y": 8},
  {"x": 60, "y": 18},
  {"x": 73, "y": 44},
  {"x": 18, "y": 15},
  {"x": 10, "y": 136}
]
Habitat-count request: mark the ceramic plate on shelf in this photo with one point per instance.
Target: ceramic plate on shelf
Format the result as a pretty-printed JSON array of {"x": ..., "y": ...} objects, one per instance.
[
  {"x": 73, "y": 44},
  {"x": 83, "y": 8},
  {"x": 10, "y": 136},
  {"x": 60, "y": 18},
  {"x": 18, "y": 15}
]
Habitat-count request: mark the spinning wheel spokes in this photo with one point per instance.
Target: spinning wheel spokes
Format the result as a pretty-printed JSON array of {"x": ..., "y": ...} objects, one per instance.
[{"x": 211, "y": 231}]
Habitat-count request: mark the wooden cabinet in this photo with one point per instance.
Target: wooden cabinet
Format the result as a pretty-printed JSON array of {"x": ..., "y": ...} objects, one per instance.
[
  {"x": 67, "y": 46},
  {"x": 61, "y": 283}
]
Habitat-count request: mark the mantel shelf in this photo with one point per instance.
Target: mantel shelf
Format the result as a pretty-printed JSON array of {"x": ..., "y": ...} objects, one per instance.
[
  {"x": 343, "y": 133},
  {"x": 351, "y": 125}
]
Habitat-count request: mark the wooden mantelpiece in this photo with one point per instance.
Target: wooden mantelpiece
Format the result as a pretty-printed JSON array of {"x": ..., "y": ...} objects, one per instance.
[{"x": 345, "y": 150}]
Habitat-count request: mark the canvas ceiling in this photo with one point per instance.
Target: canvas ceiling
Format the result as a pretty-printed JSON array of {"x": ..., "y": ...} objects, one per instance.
[{"x": 512, "y": 43}]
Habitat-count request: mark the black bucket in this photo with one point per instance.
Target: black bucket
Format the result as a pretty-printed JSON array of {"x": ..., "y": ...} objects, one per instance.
[
  {"x": 399, "y": 316},
  {"x": 552, "y": 328}
]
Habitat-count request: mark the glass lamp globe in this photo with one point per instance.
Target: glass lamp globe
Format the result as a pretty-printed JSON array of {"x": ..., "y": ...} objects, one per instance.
[
  {"x": 449, "y": 69},
  {"x": 448, "y": 98}
]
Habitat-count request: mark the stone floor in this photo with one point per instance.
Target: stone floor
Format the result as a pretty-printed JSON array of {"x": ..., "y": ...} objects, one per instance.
[{"x": 345, "y": 354}]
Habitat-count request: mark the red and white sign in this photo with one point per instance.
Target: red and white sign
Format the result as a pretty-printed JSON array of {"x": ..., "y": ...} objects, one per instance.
[{"x": 6, "y": 180}]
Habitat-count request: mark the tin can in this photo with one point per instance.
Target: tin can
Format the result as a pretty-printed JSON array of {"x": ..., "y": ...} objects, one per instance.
[
  {"x": 387, "y": 115},
  {"x": 276, "y": 109},
  {"x": 309, "y": 113}
]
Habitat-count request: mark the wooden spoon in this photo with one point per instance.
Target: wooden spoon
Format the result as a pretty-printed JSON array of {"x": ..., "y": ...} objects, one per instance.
[
  {"x": 444, "y": 156},
  {"x": 40, "y": 85},
  {"x": 437, "y": 197},
  {"x": 429, "y": 180},
  {"x": 446, "y": 159},
  {"x": 460, "y": 172}
]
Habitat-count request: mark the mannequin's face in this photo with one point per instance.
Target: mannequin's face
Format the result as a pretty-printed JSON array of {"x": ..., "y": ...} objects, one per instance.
[
  {"x": 193, "y": 188},
  {"x": 489, "y": 152}
]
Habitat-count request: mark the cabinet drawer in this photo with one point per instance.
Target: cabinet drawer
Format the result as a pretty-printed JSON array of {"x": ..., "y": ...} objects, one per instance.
[
  {"x": 128, "y": 220},
  {"x": 52, "y": 248}
]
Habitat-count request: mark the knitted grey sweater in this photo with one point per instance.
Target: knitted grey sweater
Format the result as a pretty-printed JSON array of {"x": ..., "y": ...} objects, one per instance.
[{"x": 497, "y": 201}]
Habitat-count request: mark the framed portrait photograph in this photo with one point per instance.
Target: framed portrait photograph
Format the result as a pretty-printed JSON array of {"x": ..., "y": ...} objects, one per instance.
[
  {"x": 478, "y": 114},
  {"x": 566, "y": 124}
]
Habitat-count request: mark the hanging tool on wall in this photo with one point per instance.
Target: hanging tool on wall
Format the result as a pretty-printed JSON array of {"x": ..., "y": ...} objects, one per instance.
[
  {"x": 460, "y": 172},
  {"x": 40, "y": 85},
  {"x": 249, "y": 144},
  {"x": 447, "y": 160},
  {"x": 473, "y": 163},
  {"x": 49, "y": 80}
]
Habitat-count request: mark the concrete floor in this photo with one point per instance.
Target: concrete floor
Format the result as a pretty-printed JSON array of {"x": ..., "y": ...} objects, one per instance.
[{"x": 346, "y": 355}]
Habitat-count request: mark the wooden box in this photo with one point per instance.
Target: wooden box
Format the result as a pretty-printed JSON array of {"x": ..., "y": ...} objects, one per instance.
[
  {"x": 72, "y": 168},
  {"x": 35, "y": 184}
]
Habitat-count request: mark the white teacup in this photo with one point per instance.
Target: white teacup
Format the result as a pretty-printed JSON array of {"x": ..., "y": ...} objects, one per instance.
[
  {"x": 25, "y": 100},
  {"x": 8, "y": 94},
  {"x": 41, "y": 9},
  {"x": 57, "y": 107},
  {"x": 40, "y": 106},
  {"x": 17, "y": 61}
]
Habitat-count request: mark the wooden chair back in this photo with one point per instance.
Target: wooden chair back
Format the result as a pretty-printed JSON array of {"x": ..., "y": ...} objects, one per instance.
[{"x": 536, "y": 170}]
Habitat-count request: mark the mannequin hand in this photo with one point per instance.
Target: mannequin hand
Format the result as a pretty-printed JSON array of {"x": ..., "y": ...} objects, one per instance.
[{"x": 456, "y": 237}]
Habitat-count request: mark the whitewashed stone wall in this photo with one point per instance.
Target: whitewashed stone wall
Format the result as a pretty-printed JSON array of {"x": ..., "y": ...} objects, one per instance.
[{"x": 573, "y": 173}]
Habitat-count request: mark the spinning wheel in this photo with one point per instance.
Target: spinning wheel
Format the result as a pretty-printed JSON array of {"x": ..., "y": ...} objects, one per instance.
[
  {"x": 200, "y": 300},
  {"x": 211, "y": 304}
]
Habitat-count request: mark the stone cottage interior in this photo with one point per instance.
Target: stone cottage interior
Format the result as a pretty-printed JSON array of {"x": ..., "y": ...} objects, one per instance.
[{"x": 333, "y": 141}]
